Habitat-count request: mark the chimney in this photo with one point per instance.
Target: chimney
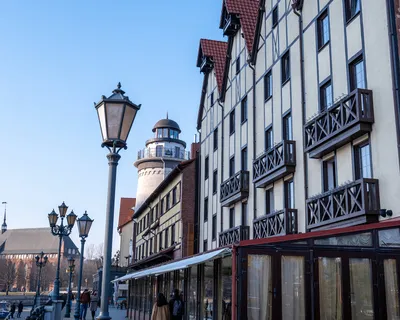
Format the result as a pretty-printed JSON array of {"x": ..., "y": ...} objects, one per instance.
[{"x": 194, "y": 147}]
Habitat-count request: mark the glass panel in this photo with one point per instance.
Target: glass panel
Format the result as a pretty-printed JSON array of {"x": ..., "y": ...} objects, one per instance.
[
  {"x": 357, "y": 240},
  {"x": 226, "y": 289},
  {"x": 361, "y": 289},
  {"x": 129, "y": 117},
  {"x": 208, "y": 290},
  {"x": 389, "y": 238},
  {"x": 259, "y": 287},
  {"x": 114, "y": 117},
  {"x": 192, "y": 294},
  {"x": 293, "y": 288},
  {"x": 391, "y": 289},
  {"x": 165, "y": 133},
  {"x": 102, "y": 119},
  {"x": 330, "y": 288}
]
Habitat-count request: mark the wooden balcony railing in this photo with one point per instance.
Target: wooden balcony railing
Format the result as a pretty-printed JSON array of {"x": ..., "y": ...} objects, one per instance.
[
  {"x": 275, "y": 163},
  {"x": 233, "y": 235},
  {"x": 354, "y": 203},
  {"x": 276, "y": 223},
  {"x": 235, "y": 188},
  {"x": 346, "y": 120}
]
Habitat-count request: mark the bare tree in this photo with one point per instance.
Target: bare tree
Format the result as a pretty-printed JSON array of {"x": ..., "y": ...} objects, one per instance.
[
  {"x": 21, "y": 275},
  {"x": 7, "y": 274}
]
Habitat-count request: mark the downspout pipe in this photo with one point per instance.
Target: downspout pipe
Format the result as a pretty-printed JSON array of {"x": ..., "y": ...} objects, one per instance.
[{"x": 222, "y": 154}]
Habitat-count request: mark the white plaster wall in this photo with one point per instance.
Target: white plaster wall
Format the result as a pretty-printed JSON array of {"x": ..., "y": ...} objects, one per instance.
[
  {"x": 354, "y": 44},
  {"x": 125, "y": 236}
]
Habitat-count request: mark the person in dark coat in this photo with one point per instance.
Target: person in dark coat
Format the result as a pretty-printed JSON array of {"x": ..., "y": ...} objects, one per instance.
[
  {"x": 20, "y": 308},
  {"x": 12, "y": 310},
  {"x": 176, "y": 306}
]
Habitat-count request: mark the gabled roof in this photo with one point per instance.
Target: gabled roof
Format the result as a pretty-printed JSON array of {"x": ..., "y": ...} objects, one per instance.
[
  {"x": 248, "y": 11},
  {"x": 125, "y": 211},
  {"x": 32, "y": 241},
  {"x": 216, "y": 50}
]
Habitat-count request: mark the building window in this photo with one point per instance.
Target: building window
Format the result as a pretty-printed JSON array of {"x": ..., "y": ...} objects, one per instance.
[
  {"x": 174, "y": 196},
  {"x": 329, "y": 174},
  {"x": 244, "y": 159},
  {"x": 232, "y": 122},
  {"x": 362, "y": 157},
  {"x": 162, "y": 207},
  {"x": 275, "y": 17},
  {"x": 206, "y": 167},
  {"x": 357, "y": 74},
  {"x": 269, "y": 201},
  {"x": 205, "y": 245},
  {"x": 173, "y": 234},
  {"x": 151, "y": 246},
  {"x": 159, "y": 151},
  {"x": 231, "y": 217},
  {"x": 232, "y": 166},
  {"x": 168, "y": 201},
  {"x": 178, "y": 153},
  {"x": 214, "y": 227},
  {"x": 215, "y": 181},
  {"x": 268, "y": 86},
  {"x": 323, "y": 29},
  {"x": 243, "y": 110},
  {"x": 166, "y": 238},
  {"x": 289, "y": 194},
  {"x": 160, "y": 241},
  {"x": 285, "y": 67},
  {"x": 269, "y": 141},
  {"x": 352, "y": 7},
  {"x": 212, "y": 98},
  {"x": 237, "y": 65},
  {"x": 244, "y": 213},
  {"x": 205, "y": 209},
  {"x": 287, "y": 127},
  {"x": 156, "y": 212},
  {"x": 215, "y": 139},
  {"x": 325, "y": 96}
]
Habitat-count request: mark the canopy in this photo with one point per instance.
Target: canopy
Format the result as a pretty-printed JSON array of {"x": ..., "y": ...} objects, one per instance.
[{"x": 177, "y": 265}]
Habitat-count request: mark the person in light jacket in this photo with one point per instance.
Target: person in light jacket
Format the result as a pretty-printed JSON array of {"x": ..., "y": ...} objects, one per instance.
[
  {"x": 94, "y": 303},
  {"x": 160, "y": 309}
]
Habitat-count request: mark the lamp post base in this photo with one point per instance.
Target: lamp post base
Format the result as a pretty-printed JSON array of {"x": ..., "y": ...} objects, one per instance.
[{"x": 103, "y": 317}]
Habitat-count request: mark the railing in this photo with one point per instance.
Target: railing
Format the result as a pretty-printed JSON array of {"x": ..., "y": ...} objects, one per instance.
[
  {"x": 239, "y": 182},
  {"x": 233, "y": 235},
  {"x": 164, "y": 153},
  {"x": 281, "y": 155},
  {"x": 358, "y": 198},
  {"x": 356, "y": 107},
  {"x": 277, "y": 223},
  {"x": 231, "y": 24}
]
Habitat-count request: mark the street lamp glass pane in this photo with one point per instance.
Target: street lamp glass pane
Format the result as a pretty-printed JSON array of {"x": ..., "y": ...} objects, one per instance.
[
  {"x": 102, "y": 118},
  {"x": 88, "y": 226},
  {"x": 129, "y": 117},
  {"x": 63, "y": 210},
  {"x": 71, "y": 218},
  {"x": 53, "y": 217},
  {"x": 114, "y": 113}
]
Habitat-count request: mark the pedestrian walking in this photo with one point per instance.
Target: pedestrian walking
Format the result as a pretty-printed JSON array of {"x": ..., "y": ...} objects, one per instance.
[
  {"x": 176, "y": 306},
  {"x": 85, "y": 300},
  {"x": 12, "y": 311},
  {"x": 20, "y": 308},
  {"x": 160, "y": 309},
  {"x": 94, "y": 303}
]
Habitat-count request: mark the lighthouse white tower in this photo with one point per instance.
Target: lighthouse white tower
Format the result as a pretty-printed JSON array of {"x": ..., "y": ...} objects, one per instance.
[{"x": 162, "y": 154}]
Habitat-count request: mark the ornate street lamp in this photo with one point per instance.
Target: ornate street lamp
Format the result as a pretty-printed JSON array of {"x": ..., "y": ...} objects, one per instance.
[
  {"x": 60, "y": 231},
  {"x": 116, "y": 115},
  {"x": 84, "y": 225},
  {"x": 71, "y": 268},
  {"x": 41, "y": 261}
]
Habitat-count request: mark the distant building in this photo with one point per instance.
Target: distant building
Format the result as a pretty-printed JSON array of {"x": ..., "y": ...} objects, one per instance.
[{"x": 125, "y": 230}]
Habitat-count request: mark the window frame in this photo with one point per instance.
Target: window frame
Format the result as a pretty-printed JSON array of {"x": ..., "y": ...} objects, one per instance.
[
  {"x": 173, "y": 234},
  {"x": 232, "y": 166},
  {"x": 350, "y": 6},
  {"x": 167, "y": 202},
  {"x": 325, "y": 175},
  {"x": 212, "y": 98},
  {"x": 268, "y": 132},
  {"x": 321, "y": 31},
  {"x": 359, "y": 58},
  {"x": 237, "y": 65},
  {"x": 243, "y": 159},
  {"x": 245, "y": 213},
  {"x": 214, "y": 227},
  {"x": 358, "y": 164},
  {"x": 268, "y": 86},
  {"x": 205, "y": 245},
  {"x": 285, "y": 72},
  {"x": 287, "y": 183},
  {"x": 232, "y": 122},
  {"x": 231, "y": 218},
  {"x": 275, "y": 16},
  {"x": 323, "y": 103},
  {"x": 205, "y": 217},
  {"x": 215, "y": 181},
  {"x": 215, "y": 139},
  {"x": 243, "y": 110},
  {"x": 269, "y": 201},
  {"x": 206, "y": 167},
  {"x": 287, "y": 135},
  {"x": 174, "y": 200}
]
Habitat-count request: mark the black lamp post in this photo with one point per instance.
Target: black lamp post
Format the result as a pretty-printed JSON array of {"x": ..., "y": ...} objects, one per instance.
[
  {"x": 84, "y": 225},
  {"x": 41, "y": 261},
  {"x": 60, "y": 231},
  {"x": 116, "y": 115},
  {"x": 71, "y": 268}
]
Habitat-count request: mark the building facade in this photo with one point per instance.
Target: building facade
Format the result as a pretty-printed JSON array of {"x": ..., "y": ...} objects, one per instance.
[{"x": 125, "y": 230}]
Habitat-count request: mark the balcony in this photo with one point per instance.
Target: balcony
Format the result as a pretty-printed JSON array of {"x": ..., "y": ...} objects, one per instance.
[
  {"x": 233, "y": 235},
  {"x": 346, "y": 120},
  {"x": 350, "y": 204},
  {"x": 235, "y": 188},
  {"x": 275, "y": 163},
  {"x": 231, "y": 24},
  {"x": 206, "y": 65},
  {"x": 162, "y": 152},
  {"x": 277, "y": 223}
]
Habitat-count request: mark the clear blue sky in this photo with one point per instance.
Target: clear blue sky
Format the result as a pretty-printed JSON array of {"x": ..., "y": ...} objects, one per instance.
[{"x": 56, "y": 59}]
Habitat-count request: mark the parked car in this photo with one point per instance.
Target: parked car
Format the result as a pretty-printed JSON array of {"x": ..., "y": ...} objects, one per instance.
[
  {"x": 122, "y": 302},
  {"x": 4, "y": 309}
]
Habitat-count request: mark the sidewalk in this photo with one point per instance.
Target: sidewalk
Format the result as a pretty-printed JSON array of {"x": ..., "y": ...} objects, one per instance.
[{"x": 115, "y": 314}]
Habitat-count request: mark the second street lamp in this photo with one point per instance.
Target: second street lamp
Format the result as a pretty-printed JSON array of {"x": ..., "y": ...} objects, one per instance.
[
  {"x": 116, "y": 116},
  {"x": 84, "y": 225},
  {"x": 40, "y": 263},
  {"x": 71, "y": 267}
]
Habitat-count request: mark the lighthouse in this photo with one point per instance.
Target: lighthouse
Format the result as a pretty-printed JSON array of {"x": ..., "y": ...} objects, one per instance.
[{"x": 163, "y": 152}]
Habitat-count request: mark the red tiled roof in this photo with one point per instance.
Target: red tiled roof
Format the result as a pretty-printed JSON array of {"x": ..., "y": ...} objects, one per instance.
[
  {"x": 248, "y": 14},
  {"x": 125, "y": 211},
  {"x": 217, "y": 51}
]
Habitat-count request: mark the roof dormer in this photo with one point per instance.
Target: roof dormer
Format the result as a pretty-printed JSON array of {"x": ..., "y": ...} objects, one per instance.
[{"x": 230, "y": 22}]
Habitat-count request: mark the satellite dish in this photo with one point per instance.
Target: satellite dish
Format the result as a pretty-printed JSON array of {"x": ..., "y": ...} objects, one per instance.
[{"x": 297, "y": 4}]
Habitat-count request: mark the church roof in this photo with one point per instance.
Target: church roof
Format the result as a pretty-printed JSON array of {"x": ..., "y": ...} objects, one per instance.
[{"x": 31, "y": 241}]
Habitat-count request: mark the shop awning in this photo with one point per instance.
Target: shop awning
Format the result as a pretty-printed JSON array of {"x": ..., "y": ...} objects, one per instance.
[{"x": 177, "y": 265}]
